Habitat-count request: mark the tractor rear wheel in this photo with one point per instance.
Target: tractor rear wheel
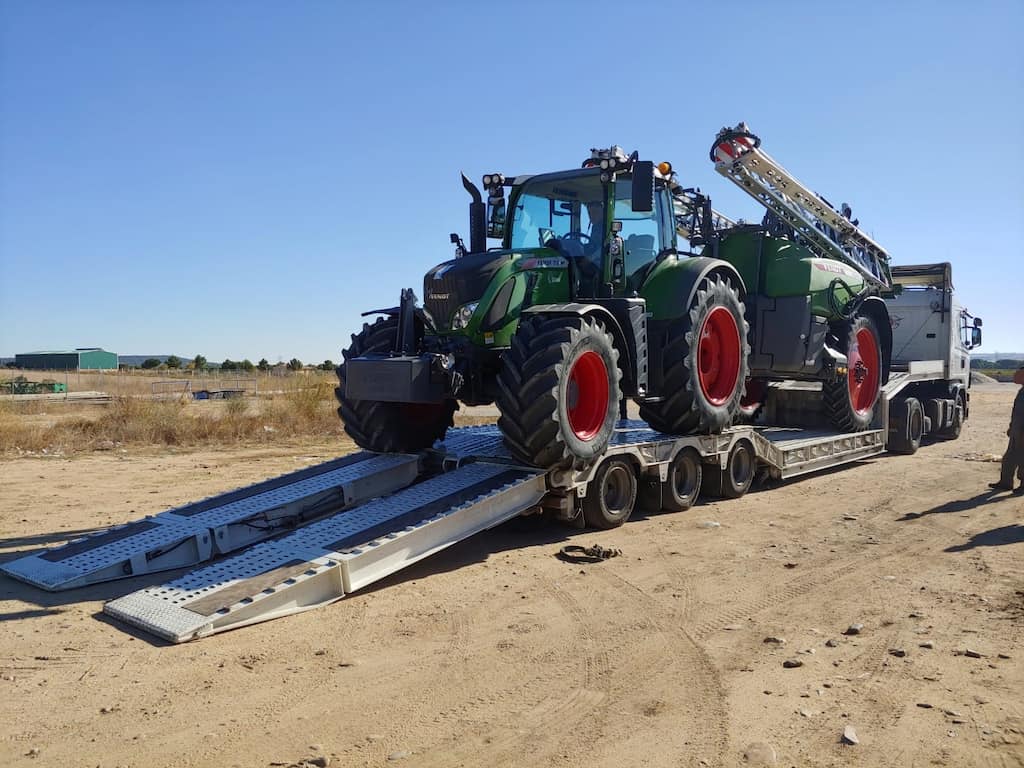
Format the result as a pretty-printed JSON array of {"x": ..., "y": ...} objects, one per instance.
[
  {"x": 559, "y": 391},
  {"x": 850, "y": 401},
  {"x": 388, "y": 427},
  {"x": 705, "y": 364}
]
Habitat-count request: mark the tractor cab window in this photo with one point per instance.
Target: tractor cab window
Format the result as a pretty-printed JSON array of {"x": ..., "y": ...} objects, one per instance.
[
  {"x": 565, "y": 214},
  {"x": 642, "y": 233}
]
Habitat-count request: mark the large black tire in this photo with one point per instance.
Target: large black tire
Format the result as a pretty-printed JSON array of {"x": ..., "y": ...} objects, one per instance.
[
  {"x": 559, "y": 391},
  {"x": 703, "y": 382},
  {"x": 738, "y": 475},
  {"x": 906, "y": 425},
  {"x": 388, "y": 427},
  {"x": 850, "y": 401},
  {"x": 682, "y": 486},
  {"x": 952, "y": 432},
  {"x": 611, "y": 495}
]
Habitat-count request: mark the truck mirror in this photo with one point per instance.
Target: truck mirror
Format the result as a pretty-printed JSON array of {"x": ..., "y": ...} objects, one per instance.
[
  {"x": 975, "y": 336},
  {"x": 977, "y": 322},
  {"x": 643, "y": 186}
]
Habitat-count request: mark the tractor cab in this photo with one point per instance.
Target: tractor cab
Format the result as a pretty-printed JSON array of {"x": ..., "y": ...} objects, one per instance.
[{"x": 611, "y": 220}]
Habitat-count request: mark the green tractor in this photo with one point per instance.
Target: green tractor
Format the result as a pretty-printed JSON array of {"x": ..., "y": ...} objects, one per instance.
[{"x": 592, "y": 298}]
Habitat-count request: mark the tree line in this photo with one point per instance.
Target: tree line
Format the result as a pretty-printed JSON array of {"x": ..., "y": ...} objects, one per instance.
[{"x": 200, "y": 363}]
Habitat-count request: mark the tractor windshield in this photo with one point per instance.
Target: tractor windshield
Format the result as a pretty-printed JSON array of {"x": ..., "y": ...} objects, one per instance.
[{"x": 566, "y": 214}]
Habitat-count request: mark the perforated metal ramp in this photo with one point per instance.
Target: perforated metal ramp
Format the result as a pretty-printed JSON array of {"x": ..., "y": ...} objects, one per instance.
[
  {"x": 327, "y": 559},
  {"x": 196, "y": 532}
]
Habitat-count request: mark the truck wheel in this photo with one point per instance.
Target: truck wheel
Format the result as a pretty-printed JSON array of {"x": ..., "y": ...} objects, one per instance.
[
  {"x": 952, "y": 432},
  {"x": 738, "y": 475},
  {"x": 611, "y": 494},
  {"x": 388, "y": 427},
  {"x": 850, "y": 402},
  {"x": 906, "y": 426},
  {"x": 705, "y": 364},
  {"x": 558, "y": 391},
  {"x": 682, "y": 485}
]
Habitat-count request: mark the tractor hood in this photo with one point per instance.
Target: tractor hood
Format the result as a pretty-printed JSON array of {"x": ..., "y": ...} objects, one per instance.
[
  {"x": 450, "y": 285},
  {"x": 460, "y": 281}
]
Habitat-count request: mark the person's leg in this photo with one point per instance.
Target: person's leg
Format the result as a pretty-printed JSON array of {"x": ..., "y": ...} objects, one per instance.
[
  {"x": 1010, "y": 465},
  {"x": 1019, "y": 445}
]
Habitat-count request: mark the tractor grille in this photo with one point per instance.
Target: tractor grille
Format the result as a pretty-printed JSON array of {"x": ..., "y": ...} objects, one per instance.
[{"x": 441, "y": 298}]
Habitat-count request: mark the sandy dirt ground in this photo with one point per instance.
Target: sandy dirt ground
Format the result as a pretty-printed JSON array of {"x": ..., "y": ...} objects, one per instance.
[{"x": 495, "y": 653}]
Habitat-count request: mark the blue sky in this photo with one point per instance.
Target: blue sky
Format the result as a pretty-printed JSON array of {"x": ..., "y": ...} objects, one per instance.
[{"x": 242, "y": 179}]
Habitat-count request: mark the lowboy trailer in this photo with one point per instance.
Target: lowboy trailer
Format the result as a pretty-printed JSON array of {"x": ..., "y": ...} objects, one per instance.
[{"x": 310, "y": 537}]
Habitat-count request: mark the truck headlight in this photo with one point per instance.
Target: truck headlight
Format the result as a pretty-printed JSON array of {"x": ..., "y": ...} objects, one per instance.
[{"x": 463, "y": 314}]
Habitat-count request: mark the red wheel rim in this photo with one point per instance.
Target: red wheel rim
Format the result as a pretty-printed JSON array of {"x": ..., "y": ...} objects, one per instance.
[
  {"x": 587, "y": 395},
  {"x": 863, "y": 373},
  {"x": 754, "y": 396},
  {"x": 718, "y": 356}
]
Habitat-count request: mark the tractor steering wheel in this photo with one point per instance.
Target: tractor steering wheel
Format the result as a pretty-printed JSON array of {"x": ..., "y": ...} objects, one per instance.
[{"x": 581, "y": 236}]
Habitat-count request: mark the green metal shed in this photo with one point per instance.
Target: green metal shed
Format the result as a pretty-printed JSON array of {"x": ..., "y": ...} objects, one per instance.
[{"x": 83, "y": 358}]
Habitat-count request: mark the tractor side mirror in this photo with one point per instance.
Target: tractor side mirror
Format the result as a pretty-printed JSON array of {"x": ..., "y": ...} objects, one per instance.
[
  {"x": 643, "y": 186},
  {"x": 977, "y": 322},
  {"x": 975, "y": 336},
  {"x": 496, "y": 217}
]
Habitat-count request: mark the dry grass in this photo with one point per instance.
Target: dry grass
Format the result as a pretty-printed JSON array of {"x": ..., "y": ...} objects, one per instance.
[
  {"x": 304, "y": 409},
  {"x": 299, "y": 407}
]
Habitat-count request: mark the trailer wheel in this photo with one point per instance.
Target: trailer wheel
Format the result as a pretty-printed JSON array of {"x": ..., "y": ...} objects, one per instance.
[
  {"x": 611, "y": 495},
  {"x": 850, "y": 402},
  {"x": 906, "y": 426},
  {"x": 558, "y": 391},
  {"x": 682, "y": 485},
  {"x": 738, "y": 475},
  {"x": 388, "y": 427},
  {"x": 705, "y": 363}
]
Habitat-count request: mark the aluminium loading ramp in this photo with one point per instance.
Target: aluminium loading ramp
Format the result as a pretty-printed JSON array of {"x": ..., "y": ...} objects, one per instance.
[
  {"x": 197, "y": 532},
  {"x": 326, "y": 560}
]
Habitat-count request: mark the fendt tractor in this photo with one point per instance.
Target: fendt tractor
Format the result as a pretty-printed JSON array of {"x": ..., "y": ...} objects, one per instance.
[{"x": 614, "y": 281}]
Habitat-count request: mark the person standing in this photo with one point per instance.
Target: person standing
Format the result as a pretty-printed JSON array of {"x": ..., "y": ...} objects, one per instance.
[{"x": 1013, "y": 459}]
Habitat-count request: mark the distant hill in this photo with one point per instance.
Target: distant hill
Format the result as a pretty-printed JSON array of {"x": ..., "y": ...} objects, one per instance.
[{"x": 993, "y": 356}]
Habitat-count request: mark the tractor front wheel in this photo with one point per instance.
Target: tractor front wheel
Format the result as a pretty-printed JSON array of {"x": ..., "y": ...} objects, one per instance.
[
  {"x": 388, "y": 427},
  {"x": 558, "y": 391}
]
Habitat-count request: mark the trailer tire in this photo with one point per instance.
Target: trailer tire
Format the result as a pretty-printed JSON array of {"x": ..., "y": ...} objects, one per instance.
[
  {"x": 611, "y": 494},
  {"x": 737, "y": 477},
  {"x": 850, "y": 402},
  {"x": 388, "y": 427},
  {"x": 682, "y": 486},
  {"x": 559, "y": 391},
  {"x": 705, "y": 363}
]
